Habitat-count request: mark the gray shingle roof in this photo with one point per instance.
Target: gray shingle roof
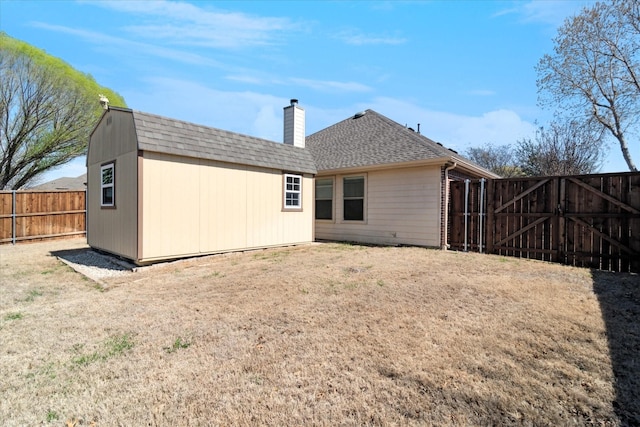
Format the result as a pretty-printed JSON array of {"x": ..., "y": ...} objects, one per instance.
[
  {"x": 64, "y": 183},
  {"x": 165, "y": 135},
  {"x": 369, "y": 140}
]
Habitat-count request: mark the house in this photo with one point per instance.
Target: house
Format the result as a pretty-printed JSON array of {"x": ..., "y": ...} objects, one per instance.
[
  {"x": 380, "y": 182},
  {"x": 63, "y": 184},
  {"x": 161, "y": 189}
]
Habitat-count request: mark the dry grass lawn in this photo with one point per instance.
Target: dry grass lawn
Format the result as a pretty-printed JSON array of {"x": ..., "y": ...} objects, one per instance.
[{"x": 327, "y": 334}]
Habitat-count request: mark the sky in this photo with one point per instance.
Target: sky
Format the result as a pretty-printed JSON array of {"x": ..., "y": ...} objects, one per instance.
[{"x": 463, "y": 70}]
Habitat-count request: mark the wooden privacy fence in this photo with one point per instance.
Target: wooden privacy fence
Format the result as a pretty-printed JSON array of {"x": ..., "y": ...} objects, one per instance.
[
  {"x": 29, "y": 215},
  {"x": 583, "y": 220}
]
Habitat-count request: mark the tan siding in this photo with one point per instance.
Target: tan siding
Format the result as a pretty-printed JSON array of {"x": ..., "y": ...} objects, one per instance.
[
  {"x": 114, "y": 230},
  {"x": 115, "y": 135},
  {"x": 196, "y": 206},
  {"x": 402, "y": 207},
  {"x": 170, "y": 222},
  {"x": 223, "y": 207},
  {"x": 264, "y": 219}
]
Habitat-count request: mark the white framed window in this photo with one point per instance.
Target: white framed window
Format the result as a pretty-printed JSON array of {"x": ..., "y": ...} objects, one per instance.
[
  {"x": 324, "y": 198},
  {"x": 292, "y": 191},
  {"x": 353, "y": 198},
  {"x": 107, "y": 185}
]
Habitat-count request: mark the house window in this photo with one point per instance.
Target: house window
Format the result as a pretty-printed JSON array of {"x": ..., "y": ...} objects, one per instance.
[
  {"x": 324, "y": 198},
  {"x": 292, "y": 191},
  {"x": 107, "y": 188},
  {"x": 353, "y": 195}
]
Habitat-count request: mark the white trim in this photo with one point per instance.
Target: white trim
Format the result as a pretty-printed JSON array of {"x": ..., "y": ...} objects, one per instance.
[
  {"x": 111, "y": 185},
  {"x": 293, "y": 188}
]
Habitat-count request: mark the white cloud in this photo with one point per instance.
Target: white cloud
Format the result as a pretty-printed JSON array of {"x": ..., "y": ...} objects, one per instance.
[
  {"x": 262, "y": 79},
  {"x": 355, "y": 37},
  {"x": 127, "y": 47},
  {"x": 244, "y": 112},
  {"x": 456, "y": 131},
  {"x": 331, "y": 86},
  {"x": 549, "y": 12},
  {"x": 269, "y": 123},
  {"x": 187, "y": 24}
]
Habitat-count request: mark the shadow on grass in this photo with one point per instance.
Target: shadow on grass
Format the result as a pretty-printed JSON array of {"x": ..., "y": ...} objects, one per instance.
[{"x": 619, "y": 297}]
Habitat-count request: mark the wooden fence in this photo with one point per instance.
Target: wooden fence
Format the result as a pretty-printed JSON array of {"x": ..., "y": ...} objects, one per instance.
[
  {"x": 37, "y": 215},
  {"x": 585, "y": 220}
]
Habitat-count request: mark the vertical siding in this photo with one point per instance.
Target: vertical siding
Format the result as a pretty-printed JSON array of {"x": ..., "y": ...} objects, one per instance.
[
  {"x": 294, "y": 126},
  {"x": 402, "y": 206},
  {"x": 170, "y": 214},
  {"x": 113, "y": 230},
  {"x": 195, "y": 206}
]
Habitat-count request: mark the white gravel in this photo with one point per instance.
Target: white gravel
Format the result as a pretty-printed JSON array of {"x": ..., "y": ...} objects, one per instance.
[{"x": 96, "y": 266}]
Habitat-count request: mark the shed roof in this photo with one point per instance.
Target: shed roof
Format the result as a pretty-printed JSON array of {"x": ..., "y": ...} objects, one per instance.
[
  {"x": 371, "y": 139},
  {"x": 171, "y": 136}
]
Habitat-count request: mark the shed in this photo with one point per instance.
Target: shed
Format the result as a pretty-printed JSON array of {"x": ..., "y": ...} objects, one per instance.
[
  {"x": 160, "y": 188},
  {"x": 381, "y": 182}
]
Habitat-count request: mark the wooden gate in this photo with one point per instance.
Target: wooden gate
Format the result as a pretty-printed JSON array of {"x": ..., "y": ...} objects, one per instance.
[{"x": 587, "y": 220}]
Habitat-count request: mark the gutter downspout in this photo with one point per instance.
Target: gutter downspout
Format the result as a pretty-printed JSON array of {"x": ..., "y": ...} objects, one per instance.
[{"x": 445, "y": 243}]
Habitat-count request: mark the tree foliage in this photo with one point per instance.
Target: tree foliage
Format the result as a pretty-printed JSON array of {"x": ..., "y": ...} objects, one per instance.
[
  {"x": 563, "y": 148},
  {"x": 47, "y": 110},
  {"x": 594, "y": 71},
  {"x": 499, "y": 159}
]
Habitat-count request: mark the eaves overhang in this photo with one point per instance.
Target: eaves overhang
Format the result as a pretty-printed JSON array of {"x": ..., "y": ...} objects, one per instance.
[{"x": 438, "y": 161}]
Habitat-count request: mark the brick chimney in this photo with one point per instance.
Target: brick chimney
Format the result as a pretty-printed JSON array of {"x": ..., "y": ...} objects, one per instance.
[{"x": 294, "y": 124}]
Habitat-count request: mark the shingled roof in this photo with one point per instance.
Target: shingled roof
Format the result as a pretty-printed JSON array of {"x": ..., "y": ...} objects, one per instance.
[
  {"x": 165, "y": 135},
  {"x": 65, "y": 183},
  {"x": 372, "y": 139}
]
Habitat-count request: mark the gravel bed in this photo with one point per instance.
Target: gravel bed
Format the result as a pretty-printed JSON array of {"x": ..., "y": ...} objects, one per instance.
[{"x": 96, "y": 266}]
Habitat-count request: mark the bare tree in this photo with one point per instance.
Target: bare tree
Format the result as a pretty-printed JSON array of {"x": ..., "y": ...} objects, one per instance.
[
  {"x": 499, "y": 159},
  {"x": 563, "y": 148},
  {"x": 47, "y": 110},
  {"x": 594, "y": 70}
]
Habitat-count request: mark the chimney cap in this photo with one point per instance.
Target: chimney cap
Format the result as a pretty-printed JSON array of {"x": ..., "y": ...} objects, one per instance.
[{"x": 294, "y": 102}]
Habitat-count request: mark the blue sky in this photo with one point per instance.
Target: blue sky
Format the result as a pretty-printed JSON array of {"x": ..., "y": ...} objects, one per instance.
[{"x": 464, "y": 70}]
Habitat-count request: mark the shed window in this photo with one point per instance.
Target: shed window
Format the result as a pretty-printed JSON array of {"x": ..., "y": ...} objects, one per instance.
[
  {"x": 292, "y": 191},
  {"x": 107, "y": 187},
  {"x": 353, "y": 190},
  {"x": 324, "y": 198}
]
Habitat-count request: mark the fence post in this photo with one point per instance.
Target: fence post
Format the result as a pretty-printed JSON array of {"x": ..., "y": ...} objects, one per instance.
[
  {"x": 481, "y": 214},
  {"x": 13, "y": 217},
  {"x": 562, "y": 223},
  {"x": 489, "y": 224},
  {"x": 466, "y": 214}
]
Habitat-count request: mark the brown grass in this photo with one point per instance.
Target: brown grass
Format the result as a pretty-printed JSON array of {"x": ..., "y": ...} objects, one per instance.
[{"x": 327, "y": 334}]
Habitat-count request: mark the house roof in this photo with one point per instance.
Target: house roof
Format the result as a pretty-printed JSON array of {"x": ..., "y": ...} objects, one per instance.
[
  {"x": 64, "y": 183},
  {"x": 171, "y": 136},
  {"x": 371, "y": 139}
]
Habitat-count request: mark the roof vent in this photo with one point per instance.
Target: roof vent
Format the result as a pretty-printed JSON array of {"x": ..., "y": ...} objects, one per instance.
[
  {"x": 359, "y": 114},
  {"x": 294, "y": 102}
]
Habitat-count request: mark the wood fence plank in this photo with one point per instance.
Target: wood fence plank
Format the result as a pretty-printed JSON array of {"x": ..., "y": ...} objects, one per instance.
[
  {"x": 42, "y": 215},
  {"x": 588, "y": 220}
]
